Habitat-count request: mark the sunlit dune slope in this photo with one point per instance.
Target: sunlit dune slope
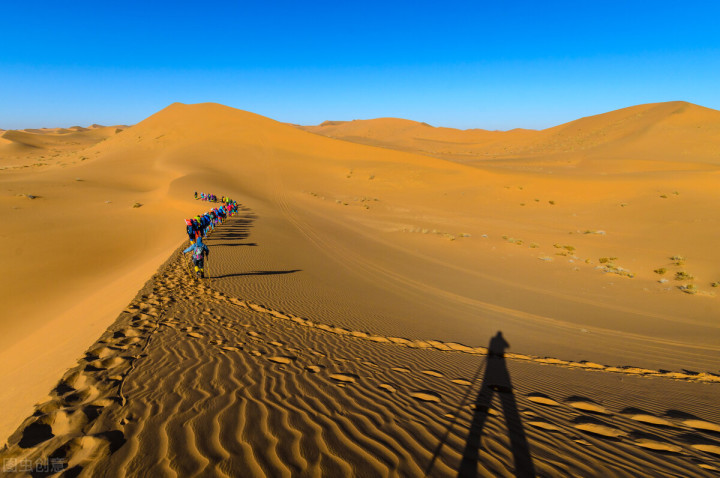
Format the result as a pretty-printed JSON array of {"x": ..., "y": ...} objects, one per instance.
[
  {"x": 673, "y": 131},
  {"x": 378, "y": 240},
  {"x": 81, "y": 246},
  {"x": 44, "y": 147}
]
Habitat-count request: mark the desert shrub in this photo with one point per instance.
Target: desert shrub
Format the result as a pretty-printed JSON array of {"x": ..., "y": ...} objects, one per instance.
[
  {"x": 682, "y": 275},
  {"x": 688, "y": 289},
  {"x": 605, "y": 260}
]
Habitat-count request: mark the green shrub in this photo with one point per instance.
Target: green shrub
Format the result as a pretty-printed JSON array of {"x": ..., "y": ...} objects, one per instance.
[{"x": 682, "y": 275}]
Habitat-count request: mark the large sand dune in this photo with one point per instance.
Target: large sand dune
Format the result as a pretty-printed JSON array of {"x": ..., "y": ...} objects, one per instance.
[
  {"x": 367, "y": 279},
  {"x": 675, "y": 132}
]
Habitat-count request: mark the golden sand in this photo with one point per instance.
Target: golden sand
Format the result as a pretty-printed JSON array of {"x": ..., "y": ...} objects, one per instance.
[{"x": 345, "y": 324}]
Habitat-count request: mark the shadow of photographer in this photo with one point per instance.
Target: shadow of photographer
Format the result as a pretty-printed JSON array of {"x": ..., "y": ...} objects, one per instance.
[{"x": 496, "y": 380}]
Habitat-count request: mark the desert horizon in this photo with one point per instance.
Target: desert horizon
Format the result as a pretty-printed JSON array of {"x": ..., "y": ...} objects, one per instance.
[{"x": 391, "y": 298}]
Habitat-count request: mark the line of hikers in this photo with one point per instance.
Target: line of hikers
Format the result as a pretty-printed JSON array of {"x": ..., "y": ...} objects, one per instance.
[
  {"x": 210, "y": 197},
  {"x": 200, "y": 226}
]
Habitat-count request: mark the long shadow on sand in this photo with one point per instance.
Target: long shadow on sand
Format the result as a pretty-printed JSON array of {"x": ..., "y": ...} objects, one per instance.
[
  {"x": 257, "y": 273},
  {"x": 495, "y": 380},
  {"x": 236, "y": 228}
]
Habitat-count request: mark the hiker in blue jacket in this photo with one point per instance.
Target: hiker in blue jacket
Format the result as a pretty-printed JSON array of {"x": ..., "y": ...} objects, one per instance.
[{"x": 199, "y": 252}]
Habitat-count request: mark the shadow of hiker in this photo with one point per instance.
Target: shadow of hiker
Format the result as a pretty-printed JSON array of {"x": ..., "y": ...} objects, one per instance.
[
  {"x": 258, "y": 273},
  {"x": 497, "y": 380}
]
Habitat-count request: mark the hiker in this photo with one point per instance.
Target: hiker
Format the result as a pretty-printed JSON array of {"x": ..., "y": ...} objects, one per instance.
[
  {"x": 202, "y": 224},
  {"x": 190, "y": 229},
  {"x": 199, "y": 252}
]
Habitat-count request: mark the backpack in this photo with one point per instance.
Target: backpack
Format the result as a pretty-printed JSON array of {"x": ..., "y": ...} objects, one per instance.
[{"x": 198, "y": 253}]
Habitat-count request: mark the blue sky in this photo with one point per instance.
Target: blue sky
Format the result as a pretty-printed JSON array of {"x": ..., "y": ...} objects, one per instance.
[{"x": 463, "y": 64}]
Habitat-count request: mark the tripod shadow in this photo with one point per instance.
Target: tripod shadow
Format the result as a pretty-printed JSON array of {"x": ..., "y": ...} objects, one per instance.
[{"x": 497, "y": 381}]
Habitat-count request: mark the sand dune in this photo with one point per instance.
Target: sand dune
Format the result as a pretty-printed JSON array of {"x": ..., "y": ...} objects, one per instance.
[
  {"x": 684, "y": 130},
  {"x": 33, "y": 148},
  {"x": 352, "y": 302},
  {"x": 221, "y": 385}
]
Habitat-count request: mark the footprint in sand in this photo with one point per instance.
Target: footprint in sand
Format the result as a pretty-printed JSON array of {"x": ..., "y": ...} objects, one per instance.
[
  {"x": 597, "y": 427},
  {"x": 701, "y": 443},
  {"x": 56, "y": 421},
  {"x": 426, "y": 396},
  {"x": 85, "y": 395},
  {"x": 101, "y": 353},
  {"x": 230, "y": 348},
  {"x": 195, "y": 335},
  {"x": 433, "y": 373},
  {"x": 285, "y": 359},
  {"x": 702, "y": 425},
  {"x": 705, "y": 466},
  {"x": 690, "y": 420},
  {"x": 129, "y": 341},
  {"x": 344, "y": 377},
  {"x": 73, "y": 381},
  {"x": 587, "y": 405},
  {"x": 80, "y": 451},
  {"x": 276, "y": 343},
  {"x": 647, "y": 418},
  {"x": 313, "y": 368},
  {"x": 34, "y": 434},
  {"x": 401, "y": 369},
  {"x": 387, "y": 387},
  {"x": 461, "y": 381},
  {"x": 655, "y": 443},
  {"x": 128, "y": 332},
  {"x": 542, "y": 399},
  {"x": 110, "y": 363}
]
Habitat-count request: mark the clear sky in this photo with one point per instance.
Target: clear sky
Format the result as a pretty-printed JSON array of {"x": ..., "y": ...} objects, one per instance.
[{"x": 464, "y": 64}]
